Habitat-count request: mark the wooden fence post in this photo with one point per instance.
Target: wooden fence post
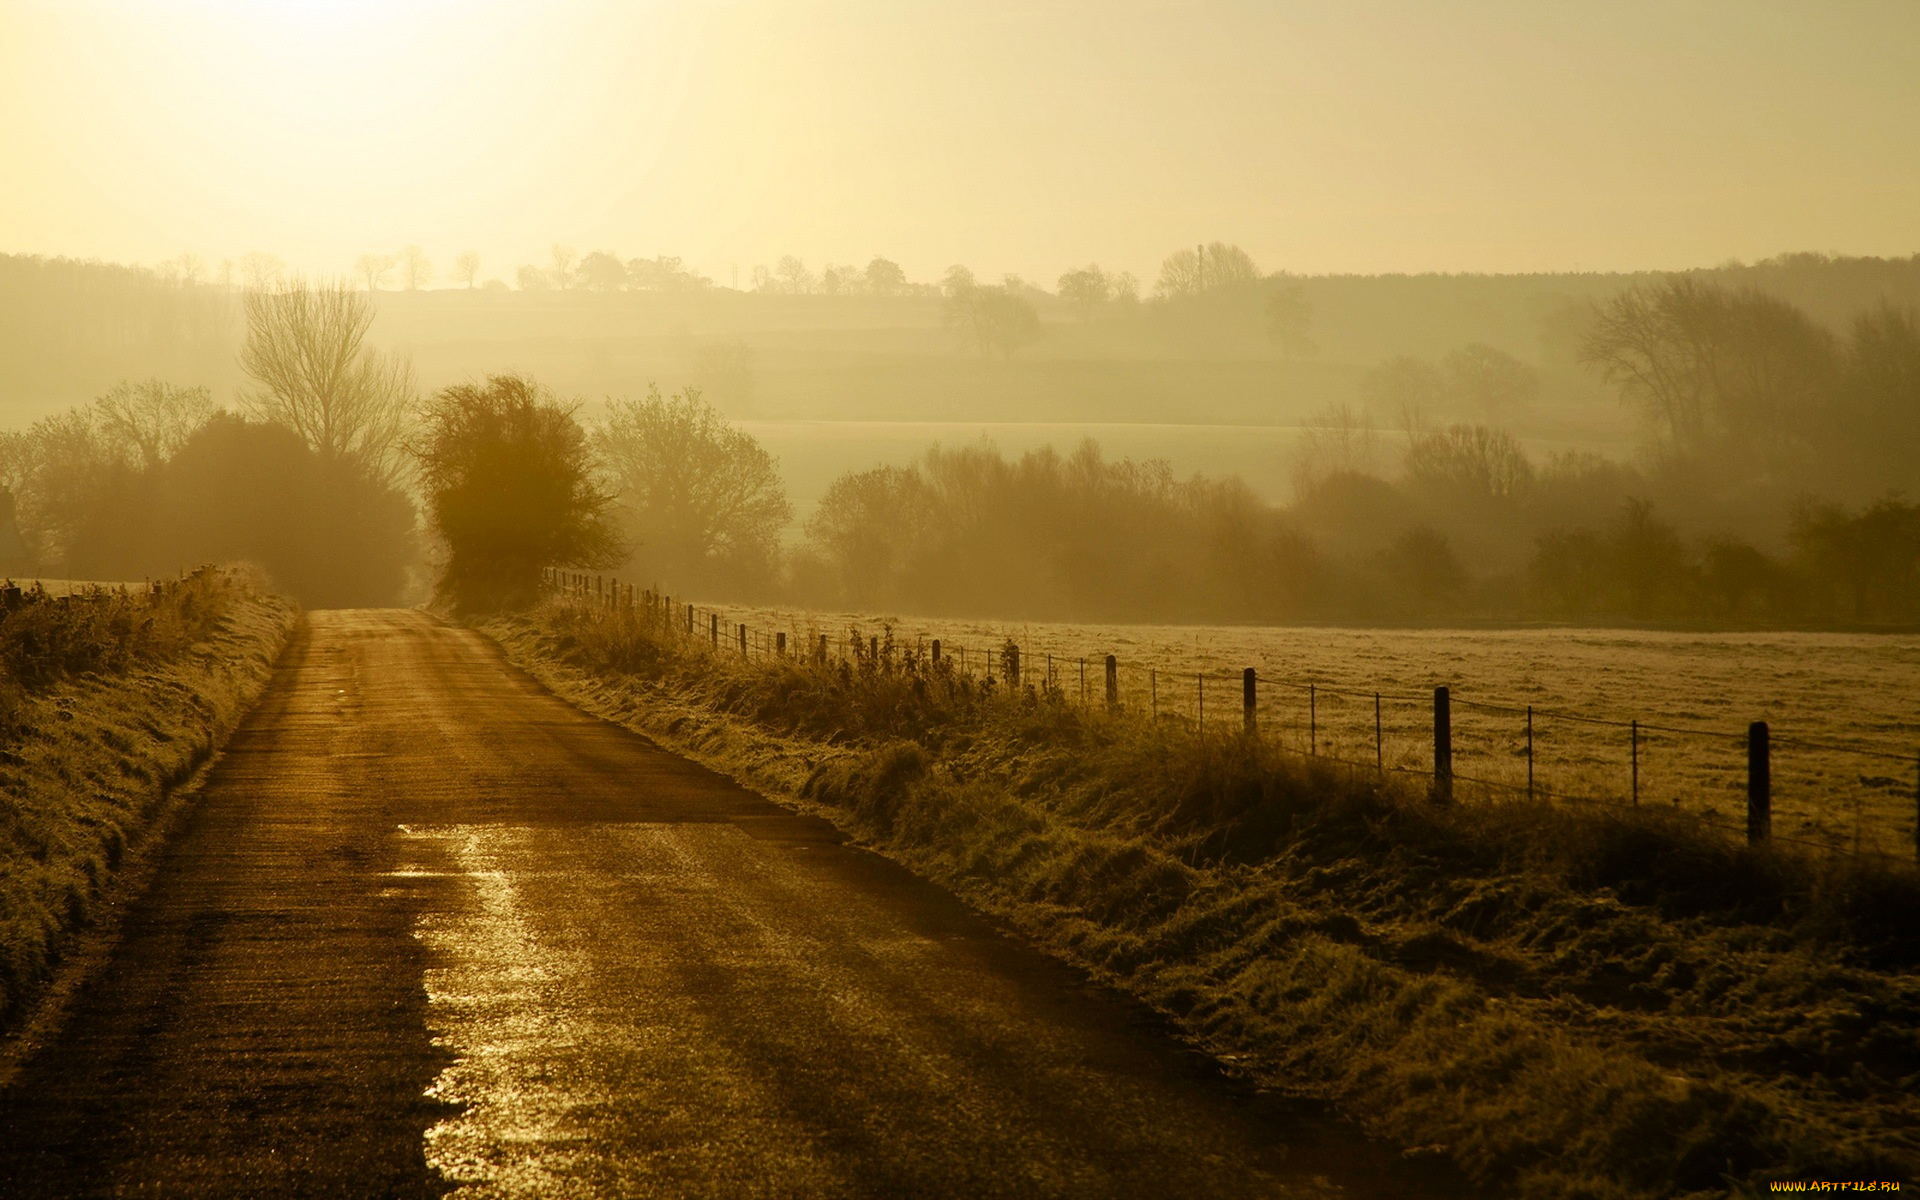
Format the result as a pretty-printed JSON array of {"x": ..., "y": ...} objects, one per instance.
[
  {"x": 1249, "y": 701},
  {"x": 1313, "y": 720},
  {"x": 820, "y": 655},
  {"x": 713, "y": 629},
  {"x": 743, "y": 639},
  {"x": 1113, "y": 684},
  {"x": 1379, "y": 743},
  {"x": 1442, "y": 746},
  {"x": 1529, "y": 751},
  {"x": 1010, "y": 663},
  {"x": 689, "y": 620},
  {"x": 780, "y": 644},
  {"x": 936, "y": 651},
  {"x": 1633, "y": 734},
  {"x": 1759, "y": 784}
]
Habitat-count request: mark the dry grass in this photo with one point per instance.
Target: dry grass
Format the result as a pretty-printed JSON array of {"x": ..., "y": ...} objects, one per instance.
[
  {"x": 1827, "y": 688},
  {"x": 1566, "y": 1001},
  {"x": 104, "y": 705}
]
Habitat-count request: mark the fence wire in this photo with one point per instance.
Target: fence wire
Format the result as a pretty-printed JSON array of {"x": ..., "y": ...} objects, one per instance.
[{"x": 1834, "y": 796}]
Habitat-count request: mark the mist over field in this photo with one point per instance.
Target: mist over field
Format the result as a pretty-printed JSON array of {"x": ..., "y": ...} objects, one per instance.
[{"x": 1377, "y": 545}]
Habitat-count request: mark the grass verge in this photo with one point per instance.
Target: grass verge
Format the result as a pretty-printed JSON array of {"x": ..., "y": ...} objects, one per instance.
[
  {"x": 106, "y": 702},
  {"x": 1568, "y": 1003}
]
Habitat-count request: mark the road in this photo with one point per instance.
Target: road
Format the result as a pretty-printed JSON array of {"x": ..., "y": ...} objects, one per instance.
[{"x": 428, "y": 927}]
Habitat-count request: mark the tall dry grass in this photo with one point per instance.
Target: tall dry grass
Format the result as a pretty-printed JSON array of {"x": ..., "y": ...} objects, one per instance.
[
  {"x": 1603, "y": 1003},
  {"x": 108, "y": 700}
]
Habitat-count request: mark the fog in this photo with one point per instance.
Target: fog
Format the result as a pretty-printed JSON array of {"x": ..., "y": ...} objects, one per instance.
[{"x": 1150, "y": 313}]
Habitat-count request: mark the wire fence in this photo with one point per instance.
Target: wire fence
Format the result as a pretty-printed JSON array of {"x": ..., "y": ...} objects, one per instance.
[{"x": 1834, "y": 795}]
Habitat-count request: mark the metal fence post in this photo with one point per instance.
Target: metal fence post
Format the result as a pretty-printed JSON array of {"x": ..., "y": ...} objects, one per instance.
[
  {"x": 1442, "y": 746},
  {"x": 1759, "y": 784}
]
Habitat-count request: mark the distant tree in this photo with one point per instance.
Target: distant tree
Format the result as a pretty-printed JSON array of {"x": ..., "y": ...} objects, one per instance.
[
  {"x": 466, "y": 267},
  {"x": 1650, "y": 561},
  {"x": 236, "y": 489},
  {"x": 1409, "y": 389},
  {"x": 724, "y": 370},
  {"x": 305, "y": 349},
  {"x": 152, "y": 418},
  {"x": 602, "y": 271},
  {"x": 701, "y": 501},
  {"x": 866, "y": 529},
  {"x": 261, "y": 270},
  {"x": 1334, "y": 441},
  {"x": 762, "y": 278},
  {"x": 510, "y": 490},
  {"x": 840, "y": 281},
  {"x": 532, "y": 279},
  {"x": 1489, "y": 382},
  {"x": 564, "y": 258},
  {"x": 885, "y": 278},
  {"x": 1086, "y": 289},
  {"x": 1870, "y": 444},
  {"x": 957, "y": 279},
  {"x": 373, "y": 268},
  {"x": 795, "y": 279},
  {"x": 1289, "y": 317},
  {"x": 1468, "y": 463},
  {"x": 1866, "y": 563},
  {"x": 190, "y": 268},
  {"x": 415, "y": 267},
  {"x": 1203, "y": 269},
  {"x": 664, "y": 274},
  {"x": 1739, "y": 374},
  {"x": 992, "y": 318}
]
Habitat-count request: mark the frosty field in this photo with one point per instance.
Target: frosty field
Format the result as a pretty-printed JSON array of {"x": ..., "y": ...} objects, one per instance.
[{"x": 1843, "y": 709}]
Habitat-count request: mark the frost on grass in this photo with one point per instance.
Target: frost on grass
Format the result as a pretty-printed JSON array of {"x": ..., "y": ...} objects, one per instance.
[
  {"x": 105, "y": 703},
  {"x": 1606, "y": 1003}
]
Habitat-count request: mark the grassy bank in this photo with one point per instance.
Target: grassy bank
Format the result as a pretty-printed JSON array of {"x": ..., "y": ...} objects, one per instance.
[
  {"x": 106, "y": 702},
  {"x": 1565, "y": 1002}
]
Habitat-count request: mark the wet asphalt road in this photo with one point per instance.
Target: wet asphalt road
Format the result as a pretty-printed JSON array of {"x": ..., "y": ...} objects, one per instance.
[{"x": 429, "y": 927}]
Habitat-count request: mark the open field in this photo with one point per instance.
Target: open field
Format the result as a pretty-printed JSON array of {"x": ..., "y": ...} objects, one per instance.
[{"x": 1840, "y": 707}]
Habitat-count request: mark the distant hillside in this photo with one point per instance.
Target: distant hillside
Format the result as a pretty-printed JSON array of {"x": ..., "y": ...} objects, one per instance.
[{"x": 69, "y": 330}]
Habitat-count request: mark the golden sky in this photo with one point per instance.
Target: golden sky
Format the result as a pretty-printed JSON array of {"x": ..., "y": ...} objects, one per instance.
[{"x": 1367, "y": 136}]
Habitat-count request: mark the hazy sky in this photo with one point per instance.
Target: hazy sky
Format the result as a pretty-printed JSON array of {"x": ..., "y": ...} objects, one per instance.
[{"x": 1340, "y": 136}]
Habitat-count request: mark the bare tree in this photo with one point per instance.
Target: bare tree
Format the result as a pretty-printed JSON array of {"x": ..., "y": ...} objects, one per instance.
[
  {"x": 306, "y": 349},
  {"x": 795, "y": 279},
  {"x": 1086, "y": 289},
  {"x": 373, "y": 268},
  {"x": 563, "y": 259},
  {"x": 466, "y": 268},
  {"x": 261, "y": 270},
  {"x": 1204, "y": 268},
  {"x": 152, "y": 419},
  {"x": 416, "y": 266},
  {"x": 698, "y": 495}
]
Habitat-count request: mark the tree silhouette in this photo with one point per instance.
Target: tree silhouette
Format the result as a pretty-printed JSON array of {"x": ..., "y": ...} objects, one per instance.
[
  {"x": 305, "y": 348},
  {"x": 417, "y": 268},
  {"x": 466, "y": 268},
  {"x": 510, "y": 490},
  {"x": 700, "y": 500}
]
